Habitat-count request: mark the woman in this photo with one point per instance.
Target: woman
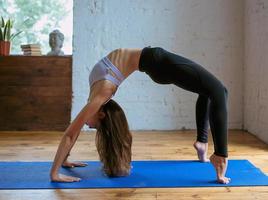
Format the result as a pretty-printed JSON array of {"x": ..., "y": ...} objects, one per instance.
[{"x": 113, "y": 138}]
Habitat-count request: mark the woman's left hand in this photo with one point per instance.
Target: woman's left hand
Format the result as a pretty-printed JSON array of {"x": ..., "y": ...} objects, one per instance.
[{"x": 68, "y": 164}]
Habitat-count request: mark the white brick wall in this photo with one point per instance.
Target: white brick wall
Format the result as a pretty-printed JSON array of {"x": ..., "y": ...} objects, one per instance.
[
  {"x": 256, "y": 68},
  {"x": 208, "y": 31}
]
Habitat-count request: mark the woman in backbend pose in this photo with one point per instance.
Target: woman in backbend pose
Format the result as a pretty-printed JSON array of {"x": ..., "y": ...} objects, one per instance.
[{"x": 113, "y": 138}]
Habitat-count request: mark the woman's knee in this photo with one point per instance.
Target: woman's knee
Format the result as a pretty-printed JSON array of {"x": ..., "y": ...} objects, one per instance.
[{"x": 219, "y": 92}]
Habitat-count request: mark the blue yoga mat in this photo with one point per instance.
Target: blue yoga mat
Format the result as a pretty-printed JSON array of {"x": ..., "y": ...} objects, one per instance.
[{"x": 144, "y": 174}]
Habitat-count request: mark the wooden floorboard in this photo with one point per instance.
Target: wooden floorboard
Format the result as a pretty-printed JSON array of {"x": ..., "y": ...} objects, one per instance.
[{"x": 149, "y": 145}]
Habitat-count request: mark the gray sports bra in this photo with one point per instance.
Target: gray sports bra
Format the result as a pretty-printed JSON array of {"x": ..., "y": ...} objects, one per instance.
[{"x": 105, "y": 70}]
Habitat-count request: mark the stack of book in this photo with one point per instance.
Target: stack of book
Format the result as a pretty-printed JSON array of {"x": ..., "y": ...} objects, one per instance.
[{"x": 31, "y": 49}]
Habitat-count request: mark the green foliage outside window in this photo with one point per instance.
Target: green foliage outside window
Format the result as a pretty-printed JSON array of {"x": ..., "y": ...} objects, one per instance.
[{"x": 36, "y": 18}]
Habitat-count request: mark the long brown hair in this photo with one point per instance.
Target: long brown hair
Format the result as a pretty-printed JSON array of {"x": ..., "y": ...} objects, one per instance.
[{"x": 114, "y": 140}]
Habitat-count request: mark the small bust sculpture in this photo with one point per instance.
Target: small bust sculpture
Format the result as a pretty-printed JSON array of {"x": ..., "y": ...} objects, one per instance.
[{"x": 56, "y": 39}]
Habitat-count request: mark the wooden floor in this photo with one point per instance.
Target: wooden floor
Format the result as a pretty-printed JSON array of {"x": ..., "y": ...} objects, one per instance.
[{"x": 41, "y": 146}]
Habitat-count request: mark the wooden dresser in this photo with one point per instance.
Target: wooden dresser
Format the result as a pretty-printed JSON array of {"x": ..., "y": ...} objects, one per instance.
[{"x": 35, "y": 93}]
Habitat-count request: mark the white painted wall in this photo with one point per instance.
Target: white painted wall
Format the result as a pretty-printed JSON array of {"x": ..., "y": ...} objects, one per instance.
[
  {"x": 209, "y": 32},
  {"x": 256, "y": 68}
]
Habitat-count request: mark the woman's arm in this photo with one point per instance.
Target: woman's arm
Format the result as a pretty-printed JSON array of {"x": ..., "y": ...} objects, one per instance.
[{"x": 70, "y": 137}]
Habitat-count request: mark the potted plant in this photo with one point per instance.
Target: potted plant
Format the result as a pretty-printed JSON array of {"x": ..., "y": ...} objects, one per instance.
[{"x": 6, "y": 36}]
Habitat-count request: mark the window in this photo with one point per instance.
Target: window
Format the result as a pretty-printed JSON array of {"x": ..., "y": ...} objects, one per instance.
[{"x": 37, "y": 19}]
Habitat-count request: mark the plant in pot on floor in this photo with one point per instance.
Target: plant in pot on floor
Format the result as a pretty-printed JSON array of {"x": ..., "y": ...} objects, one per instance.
[{"x": 6, "y": 36}]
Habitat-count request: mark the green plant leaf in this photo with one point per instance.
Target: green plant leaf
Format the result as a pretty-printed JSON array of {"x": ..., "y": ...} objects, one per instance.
[
  {"x": 8, "y": 34},
  {"x": 14, "y": 35},
  {"x": 5, "y": 32},
  {"x": 11, "y": 23},
  {"x": 2, "y": 31},
  {"x": 1, "y": 34},
  {"x": 2, "y": 22}
]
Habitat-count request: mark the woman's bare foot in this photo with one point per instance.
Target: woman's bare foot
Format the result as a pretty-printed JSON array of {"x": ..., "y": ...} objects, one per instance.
[
  {"x": 220, "y": 164},
  {"x": 202, "y": 150}
]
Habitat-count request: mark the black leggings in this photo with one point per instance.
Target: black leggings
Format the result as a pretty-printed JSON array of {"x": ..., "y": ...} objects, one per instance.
[{"x": 165, "y": 67}]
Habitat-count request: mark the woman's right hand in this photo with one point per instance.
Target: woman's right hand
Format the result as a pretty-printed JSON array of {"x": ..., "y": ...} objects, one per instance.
[{"x": 64, "y": 178}]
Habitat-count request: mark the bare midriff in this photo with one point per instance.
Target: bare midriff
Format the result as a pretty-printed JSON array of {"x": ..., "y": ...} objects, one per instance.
[{"x": 126, "y": 60}]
